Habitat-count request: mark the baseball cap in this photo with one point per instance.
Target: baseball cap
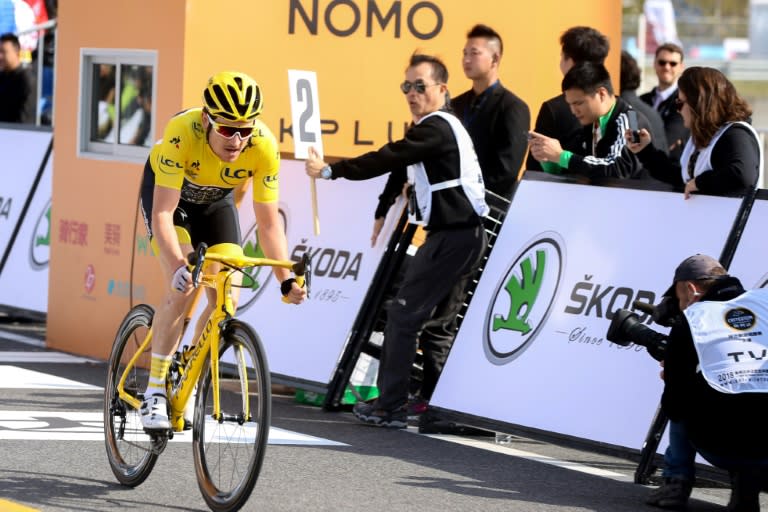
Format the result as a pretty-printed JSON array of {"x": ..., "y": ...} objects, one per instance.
[{"x": 695, "y": 268}]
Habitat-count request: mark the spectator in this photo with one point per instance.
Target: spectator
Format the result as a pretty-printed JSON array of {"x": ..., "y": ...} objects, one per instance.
[
  {"x": 628, "y": 84},
  {"x": 555, "y": 120},
  {"x": 722, "y": 417},
  {"x": 668, "y": 64},
  {"x": 496, "y": 119},
  {"x": 722, "y": 155},
  {"x": 17, "y": 86},
  {"x": 604, "y": 119},
  {"x": 449, "y": 199}
]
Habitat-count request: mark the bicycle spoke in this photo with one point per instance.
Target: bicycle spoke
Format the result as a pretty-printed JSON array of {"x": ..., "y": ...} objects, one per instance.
[
  {"x": 229, "y": 453},
  {"x": 131, "y": 452}
]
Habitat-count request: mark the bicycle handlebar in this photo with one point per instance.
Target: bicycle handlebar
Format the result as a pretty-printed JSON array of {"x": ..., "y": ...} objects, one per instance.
[{"x": 232, "y": 255}]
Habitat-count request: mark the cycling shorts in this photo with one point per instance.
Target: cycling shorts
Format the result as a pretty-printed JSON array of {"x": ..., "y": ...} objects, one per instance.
[{"x": 212, "y": 223}]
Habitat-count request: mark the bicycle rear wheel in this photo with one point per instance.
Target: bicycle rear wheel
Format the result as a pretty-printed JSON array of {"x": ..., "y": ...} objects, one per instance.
[
  {"x": 228, "y": 452},
  {"x": 131, "y": 453}
]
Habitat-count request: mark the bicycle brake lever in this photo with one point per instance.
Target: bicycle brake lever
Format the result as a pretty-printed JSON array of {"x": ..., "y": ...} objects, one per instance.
[
  {"x": 307, "y": 272},
  {"x": 197, "y": 259},
  {"x": 303, "y": 272}
]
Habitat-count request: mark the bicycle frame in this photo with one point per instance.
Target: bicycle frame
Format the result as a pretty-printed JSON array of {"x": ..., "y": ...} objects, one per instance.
[{"x": 207, "y": 344}]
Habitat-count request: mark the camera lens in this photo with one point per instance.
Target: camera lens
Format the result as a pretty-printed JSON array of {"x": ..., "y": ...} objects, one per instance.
[{"x": 627, "y": 328}]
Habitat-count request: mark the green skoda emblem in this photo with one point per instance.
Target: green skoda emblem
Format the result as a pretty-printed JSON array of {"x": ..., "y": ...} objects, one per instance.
[
  {"x": 40, "y": 246},
  {"x": 524, "y": 298}
]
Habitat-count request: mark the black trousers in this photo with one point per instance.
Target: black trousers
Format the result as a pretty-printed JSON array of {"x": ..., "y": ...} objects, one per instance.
[{"x": 439, "y": 271}]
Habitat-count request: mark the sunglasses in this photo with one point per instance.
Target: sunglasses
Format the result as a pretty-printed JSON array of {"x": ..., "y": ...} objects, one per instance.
[
  {"x": 419, "y": 86},
  {"x": 228, "y": 131},
  {"x": 662, "y": 63},
  {"x": 679, "y": 104}
]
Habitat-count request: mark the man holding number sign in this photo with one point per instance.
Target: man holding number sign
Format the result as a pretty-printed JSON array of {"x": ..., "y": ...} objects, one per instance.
[{"x": 447, "y": 196}]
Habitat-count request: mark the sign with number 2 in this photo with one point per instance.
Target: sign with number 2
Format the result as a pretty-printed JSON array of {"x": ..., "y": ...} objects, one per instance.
[{"x": 305, "y": 112}]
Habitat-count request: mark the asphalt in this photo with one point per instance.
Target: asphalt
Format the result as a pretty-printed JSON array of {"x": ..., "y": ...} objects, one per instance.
[{"x": 366, "y": 468}]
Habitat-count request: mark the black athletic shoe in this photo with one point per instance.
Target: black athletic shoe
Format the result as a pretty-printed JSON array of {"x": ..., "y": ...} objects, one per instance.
[
  {"x": 672, "y": 495},
  {"x": 372, "y": 414}
]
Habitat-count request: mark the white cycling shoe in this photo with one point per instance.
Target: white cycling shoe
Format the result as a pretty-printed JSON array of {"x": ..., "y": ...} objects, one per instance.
[{"x": 154, "y": 413}]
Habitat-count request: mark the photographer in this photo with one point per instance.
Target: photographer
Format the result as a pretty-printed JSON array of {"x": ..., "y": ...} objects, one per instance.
[{"x": 716, "y": 375}]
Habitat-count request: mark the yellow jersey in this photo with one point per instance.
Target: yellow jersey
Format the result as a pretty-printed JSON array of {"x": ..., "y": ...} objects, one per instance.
[{"x": 184, "y": 161}]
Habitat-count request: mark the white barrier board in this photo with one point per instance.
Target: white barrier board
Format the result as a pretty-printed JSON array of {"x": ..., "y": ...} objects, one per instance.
[
  {"x": 532, "y": 351},
  {"x": 24, "y": 280},
  {"x": 22, "y": 153},
  {"x": 306, "y": 341}
]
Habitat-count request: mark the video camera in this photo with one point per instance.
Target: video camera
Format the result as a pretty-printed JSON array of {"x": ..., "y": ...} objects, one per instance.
[{"x": 627, "y": 328}]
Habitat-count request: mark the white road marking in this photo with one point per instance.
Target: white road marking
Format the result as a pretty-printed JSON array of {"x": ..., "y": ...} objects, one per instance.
[
  {"x": 42, "y": 357},
  {"x": 88, "y": 426},
  {"x": 12, "y": 336},
  {"x": 699, "y": 494},
  {"x": 12, "y": 377},
  {"x": 507, "y": 450}
]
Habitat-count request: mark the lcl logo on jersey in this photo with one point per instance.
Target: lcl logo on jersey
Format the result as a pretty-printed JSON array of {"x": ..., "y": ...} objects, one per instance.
[
  {"x": 256, "y": 279},
  {"x": 524, "y": 298},
  {"x": 235, "y": 176}
]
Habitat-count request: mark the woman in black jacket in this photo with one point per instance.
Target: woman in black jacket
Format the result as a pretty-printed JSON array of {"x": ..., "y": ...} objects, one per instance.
[{"x": 722, "y": 156}]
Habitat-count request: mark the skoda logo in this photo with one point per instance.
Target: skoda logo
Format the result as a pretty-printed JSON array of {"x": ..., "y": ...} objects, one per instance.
[
  {"x": 256, "y": 279},
  {"x": 523, "y": 299},
  {"x": 40, "y": 245}
]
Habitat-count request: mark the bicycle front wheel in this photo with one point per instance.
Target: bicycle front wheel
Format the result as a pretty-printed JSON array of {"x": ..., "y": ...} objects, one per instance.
[
  {"x": 229, "y": 450},
  {"x": 131, "y": 453}
]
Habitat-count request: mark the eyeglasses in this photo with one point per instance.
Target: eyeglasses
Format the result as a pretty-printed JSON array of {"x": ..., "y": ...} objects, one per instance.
[
  {"x": 662, "y": 63},
  {"x": 419, "y": 86},
  {"x": 679, "y": 104},
  {"x": 228, "y": 131}
]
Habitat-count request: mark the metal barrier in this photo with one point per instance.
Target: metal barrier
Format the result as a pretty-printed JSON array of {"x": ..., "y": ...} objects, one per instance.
[{"x": 385, "y": 281}]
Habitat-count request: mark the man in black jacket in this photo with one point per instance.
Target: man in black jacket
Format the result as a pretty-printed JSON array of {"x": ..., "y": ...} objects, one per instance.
[
  {"x": 602, "y": 150},
  {"x": 668, "y": 64},
  {"x": 496, "y": 119},
  {"x": 555, "y": 120},
  {"x": 437, "y": 157},
  {"x": 714, "y": 375},
  {"x": 17, "y": 85}
]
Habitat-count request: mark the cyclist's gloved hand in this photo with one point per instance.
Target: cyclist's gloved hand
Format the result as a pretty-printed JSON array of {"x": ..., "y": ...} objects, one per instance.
[
  {"x": 182, "y": 279},
  {"x": 292, "y": 294}
]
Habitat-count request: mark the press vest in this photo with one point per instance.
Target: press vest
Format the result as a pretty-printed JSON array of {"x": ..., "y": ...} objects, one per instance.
[
  {"x": 731, "y": 340},
  {"x": 470, "y": 179}
]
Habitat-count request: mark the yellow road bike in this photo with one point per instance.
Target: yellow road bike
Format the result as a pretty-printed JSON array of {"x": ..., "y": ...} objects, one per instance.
[{"x": 228, "y": 365}]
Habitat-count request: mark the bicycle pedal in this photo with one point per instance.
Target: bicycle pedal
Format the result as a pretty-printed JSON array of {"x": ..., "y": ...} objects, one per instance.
[{"x": 158, "y": 439}]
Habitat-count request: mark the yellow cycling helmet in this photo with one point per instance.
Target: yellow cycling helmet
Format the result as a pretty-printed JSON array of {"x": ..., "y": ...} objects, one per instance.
[{"x": 233, "y": 96}]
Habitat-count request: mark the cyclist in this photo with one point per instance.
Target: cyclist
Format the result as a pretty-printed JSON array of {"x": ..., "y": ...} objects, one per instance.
[{"x": 206, "y": 158}]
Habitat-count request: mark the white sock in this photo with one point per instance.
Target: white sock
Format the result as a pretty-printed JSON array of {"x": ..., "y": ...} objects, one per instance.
[{"x": 157, "y": 373}]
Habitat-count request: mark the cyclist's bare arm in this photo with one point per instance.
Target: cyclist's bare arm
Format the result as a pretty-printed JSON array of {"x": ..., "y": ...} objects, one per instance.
[
  {"x": 272, "y": 240},
  {"x": 165, "y": 202}
]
